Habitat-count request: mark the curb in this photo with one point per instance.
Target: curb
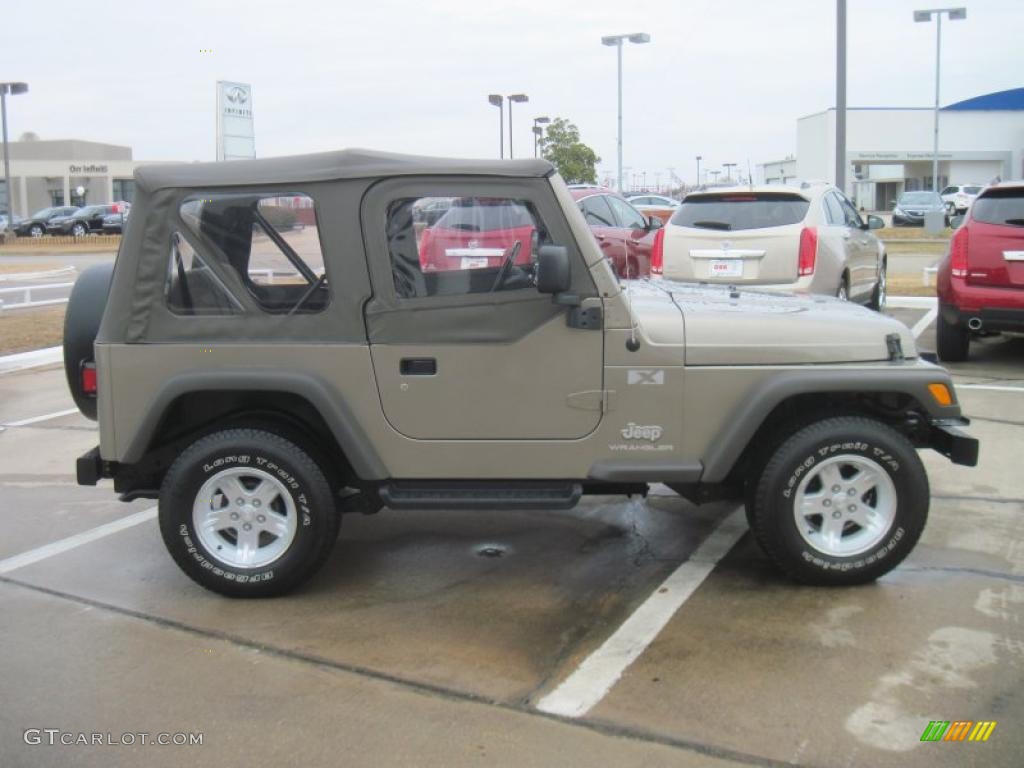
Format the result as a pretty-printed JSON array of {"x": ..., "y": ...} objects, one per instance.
[{"x": 33, "y": 359}]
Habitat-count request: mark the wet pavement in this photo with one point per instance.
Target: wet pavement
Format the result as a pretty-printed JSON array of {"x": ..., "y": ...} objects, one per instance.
[{"x": 431, "y": 637}]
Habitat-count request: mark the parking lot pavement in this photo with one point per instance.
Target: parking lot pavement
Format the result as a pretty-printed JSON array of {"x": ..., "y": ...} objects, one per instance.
[
  {"x": 452, "y": 626},
  {"x": 94, "y": 671}
]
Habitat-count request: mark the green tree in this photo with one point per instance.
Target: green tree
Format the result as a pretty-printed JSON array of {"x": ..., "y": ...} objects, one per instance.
[{"x": 575, "y": 161}]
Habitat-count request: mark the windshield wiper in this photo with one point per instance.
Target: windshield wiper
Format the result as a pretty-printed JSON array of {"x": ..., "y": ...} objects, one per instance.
[
  {"x": 712, "y": 225},
  {"x": 1015, "y": 222}
]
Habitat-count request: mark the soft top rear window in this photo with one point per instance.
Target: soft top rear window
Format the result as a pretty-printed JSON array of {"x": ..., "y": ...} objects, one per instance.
[
  {"x": 740, "y": 210},
  {"x": 1000, "y": 206}
]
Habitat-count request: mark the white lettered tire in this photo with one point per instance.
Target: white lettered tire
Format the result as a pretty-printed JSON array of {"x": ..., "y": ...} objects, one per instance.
[
  {"x": 247, "y": 513},
  {"x": 841, "y": 502}
]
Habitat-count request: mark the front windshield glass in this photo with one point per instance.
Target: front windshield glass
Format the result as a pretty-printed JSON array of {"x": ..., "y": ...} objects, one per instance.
[{"x": 43, "y": 212}]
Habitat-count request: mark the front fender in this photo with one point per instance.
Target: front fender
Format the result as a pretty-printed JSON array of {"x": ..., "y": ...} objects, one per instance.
[{"x": 910, "y": 378}]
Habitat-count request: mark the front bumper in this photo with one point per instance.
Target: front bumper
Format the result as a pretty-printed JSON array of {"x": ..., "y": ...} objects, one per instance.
[{"x": 948, "y": 438}]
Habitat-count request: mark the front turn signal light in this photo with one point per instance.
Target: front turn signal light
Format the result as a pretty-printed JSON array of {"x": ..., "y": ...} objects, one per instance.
[{"x": 941, "y": 393}]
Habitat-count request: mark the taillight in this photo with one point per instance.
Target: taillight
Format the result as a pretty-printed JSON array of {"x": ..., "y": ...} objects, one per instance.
[
  {"x": 88, "y": 378},
  {"x": 808, "y": 251},
  {"x": 658, "y": 253},
  {"x": 958, "y": 253},
  {"x": 424, "y": 253}
]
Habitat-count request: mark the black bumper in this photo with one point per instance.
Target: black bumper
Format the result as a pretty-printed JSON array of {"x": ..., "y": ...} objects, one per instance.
[
  {"x": 949, "y": 439},
  {"x": 1001, "y": 319},
  {"x": 90, "y": 468}
]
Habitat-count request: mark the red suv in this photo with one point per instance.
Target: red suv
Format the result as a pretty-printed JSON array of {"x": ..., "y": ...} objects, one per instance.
[
  {"x": 625, "y": 235},
  {"x": 476, "y": 233},
  {"x": 981, "y": 279}
]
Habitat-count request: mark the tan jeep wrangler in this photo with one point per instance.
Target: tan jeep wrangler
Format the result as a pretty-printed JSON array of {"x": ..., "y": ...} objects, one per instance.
[{"x": 284, "y": 340}]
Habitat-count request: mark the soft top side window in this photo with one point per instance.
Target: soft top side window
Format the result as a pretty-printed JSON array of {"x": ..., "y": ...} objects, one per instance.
[
  {"x": 269, "y": 241},
  {"x": 472, "y": 245}
]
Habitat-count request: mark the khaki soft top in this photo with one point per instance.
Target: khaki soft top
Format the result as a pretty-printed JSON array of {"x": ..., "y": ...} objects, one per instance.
[{"x": 327, "y": 166}]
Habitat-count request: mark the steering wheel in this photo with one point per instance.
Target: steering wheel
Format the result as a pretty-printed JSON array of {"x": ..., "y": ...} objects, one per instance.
[{"x": 506, "y": 265}]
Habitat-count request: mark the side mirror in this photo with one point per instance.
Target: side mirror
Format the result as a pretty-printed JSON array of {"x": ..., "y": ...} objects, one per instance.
[
  {"x": 876, "y": 222},
  {"x": 553, "y": 269},
  {"x": 956, "y": 221},
  {"x": 653, "y": 223}
]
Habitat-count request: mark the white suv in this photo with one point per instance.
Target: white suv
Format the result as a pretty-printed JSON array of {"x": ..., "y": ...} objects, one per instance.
[
  {"x": 807, "y": 239},
  {"x": 958, "y": 198}
]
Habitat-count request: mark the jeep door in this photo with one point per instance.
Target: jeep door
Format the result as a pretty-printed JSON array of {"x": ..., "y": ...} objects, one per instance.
[{"x": 468, "y": 348}]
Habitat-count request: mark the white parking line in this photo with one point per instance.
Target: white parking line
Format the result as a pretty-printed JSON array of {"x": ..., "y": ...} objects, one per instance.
[
  {"x": 910, "y": 302},
  {"x": 991, "y": 387},
  {"x": 72, "y": 542},
  {"x": 592, "y": 680},
  {"x": 37, "y": 419},
  {"x": 924, "y": 322}
]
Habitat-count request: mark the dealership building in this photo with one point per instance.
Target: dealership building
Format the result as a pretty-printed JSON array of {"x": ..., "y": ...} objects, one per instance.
[
  {"x": 67, "y": 172},
  {"x": 889, "y": 149}
]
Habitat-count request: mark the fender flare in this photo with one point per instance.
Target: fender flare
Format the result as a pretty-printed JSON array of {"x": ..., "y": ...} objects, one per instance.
[
  {"x": 332, "y": 408},
  {"x": 733, "y": 438}
]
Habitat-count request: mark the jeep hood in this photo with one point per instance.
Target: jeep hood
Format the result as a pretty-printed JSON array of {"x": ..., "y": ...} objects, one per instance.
[{"x": 724, "y": 326}]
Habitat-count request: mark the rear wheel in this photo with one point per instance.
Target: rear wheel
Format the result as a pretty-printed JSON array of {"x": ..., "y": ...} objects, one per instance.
[
  {"x": 841, "y": 502},
  {"x": 878, "y": 295},
  {"x": 843, "y": 293},
  {"x": 247, "y": 513},
  {"x": 78, "y": 230},
  {"x": 36, "y": 230},
  {"x": 952, "y": 341}
]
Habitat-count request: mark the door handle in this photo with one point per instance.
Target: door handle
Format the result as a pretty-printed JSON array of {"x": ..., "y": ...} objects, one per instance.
[{"x": 418, "y": 366}]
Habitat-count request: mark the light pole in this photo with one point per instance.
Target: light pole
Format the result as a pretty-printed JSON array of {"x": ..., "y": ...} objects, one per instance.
[
  {"x": 498, "y": 101},
  {"x": 699, "y": 158},
  {"x": 728, "y": 173},
  {"x": 14, "y": 89},
  {"x": 617, "y": 40},
  {"x": 955, "y": 14},
  {"x": 537, "y": 131},
  {"x": 715, "y": 174},
  {"x": 840, "y": 95},
  {"x": 520, "y": 97}
]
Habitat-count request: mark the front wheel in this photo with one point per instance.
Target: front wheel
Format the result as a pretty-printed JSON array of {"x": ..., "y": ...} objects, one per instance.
[
  {"x": 841, "y": 502},
  {"x": 247, "y": 513},
  {"x": 36, "y": 230},
  {"x": 78, "y": 230}
]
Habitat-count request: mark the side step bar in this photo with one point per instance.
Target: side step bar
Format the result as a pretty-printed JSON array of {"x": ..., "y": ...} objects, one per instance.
[{"x": 468, "y": 494}]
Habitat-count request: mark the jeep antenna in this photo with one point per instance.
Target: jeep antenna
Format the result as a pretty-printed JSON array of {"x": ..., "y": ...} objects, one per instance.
[{"x": 632, "y": 345}]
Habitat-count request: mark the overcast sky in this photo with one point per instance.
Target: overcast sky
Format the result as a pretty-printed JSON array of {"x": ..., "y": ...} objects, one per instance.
[{"x": 725, "y": 79}]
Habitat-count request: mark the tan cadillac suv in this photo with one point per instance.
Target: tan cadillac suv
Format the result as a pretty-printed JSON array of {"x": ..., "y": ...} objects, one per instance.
[{"x": 807, "y": 238}]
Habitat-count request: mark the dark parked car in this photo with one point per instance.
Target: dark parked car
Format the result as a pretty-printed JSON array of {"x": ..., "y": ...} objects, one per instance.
[
  {"x": 981, "y": 279},
  {"x": 83, "y": 221},
  {"x": 625, "y": 235},
  {"x": 35, "y": 225},
  {"x": 912, "y": 207},
  {"x": 113, "y": 223}
]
